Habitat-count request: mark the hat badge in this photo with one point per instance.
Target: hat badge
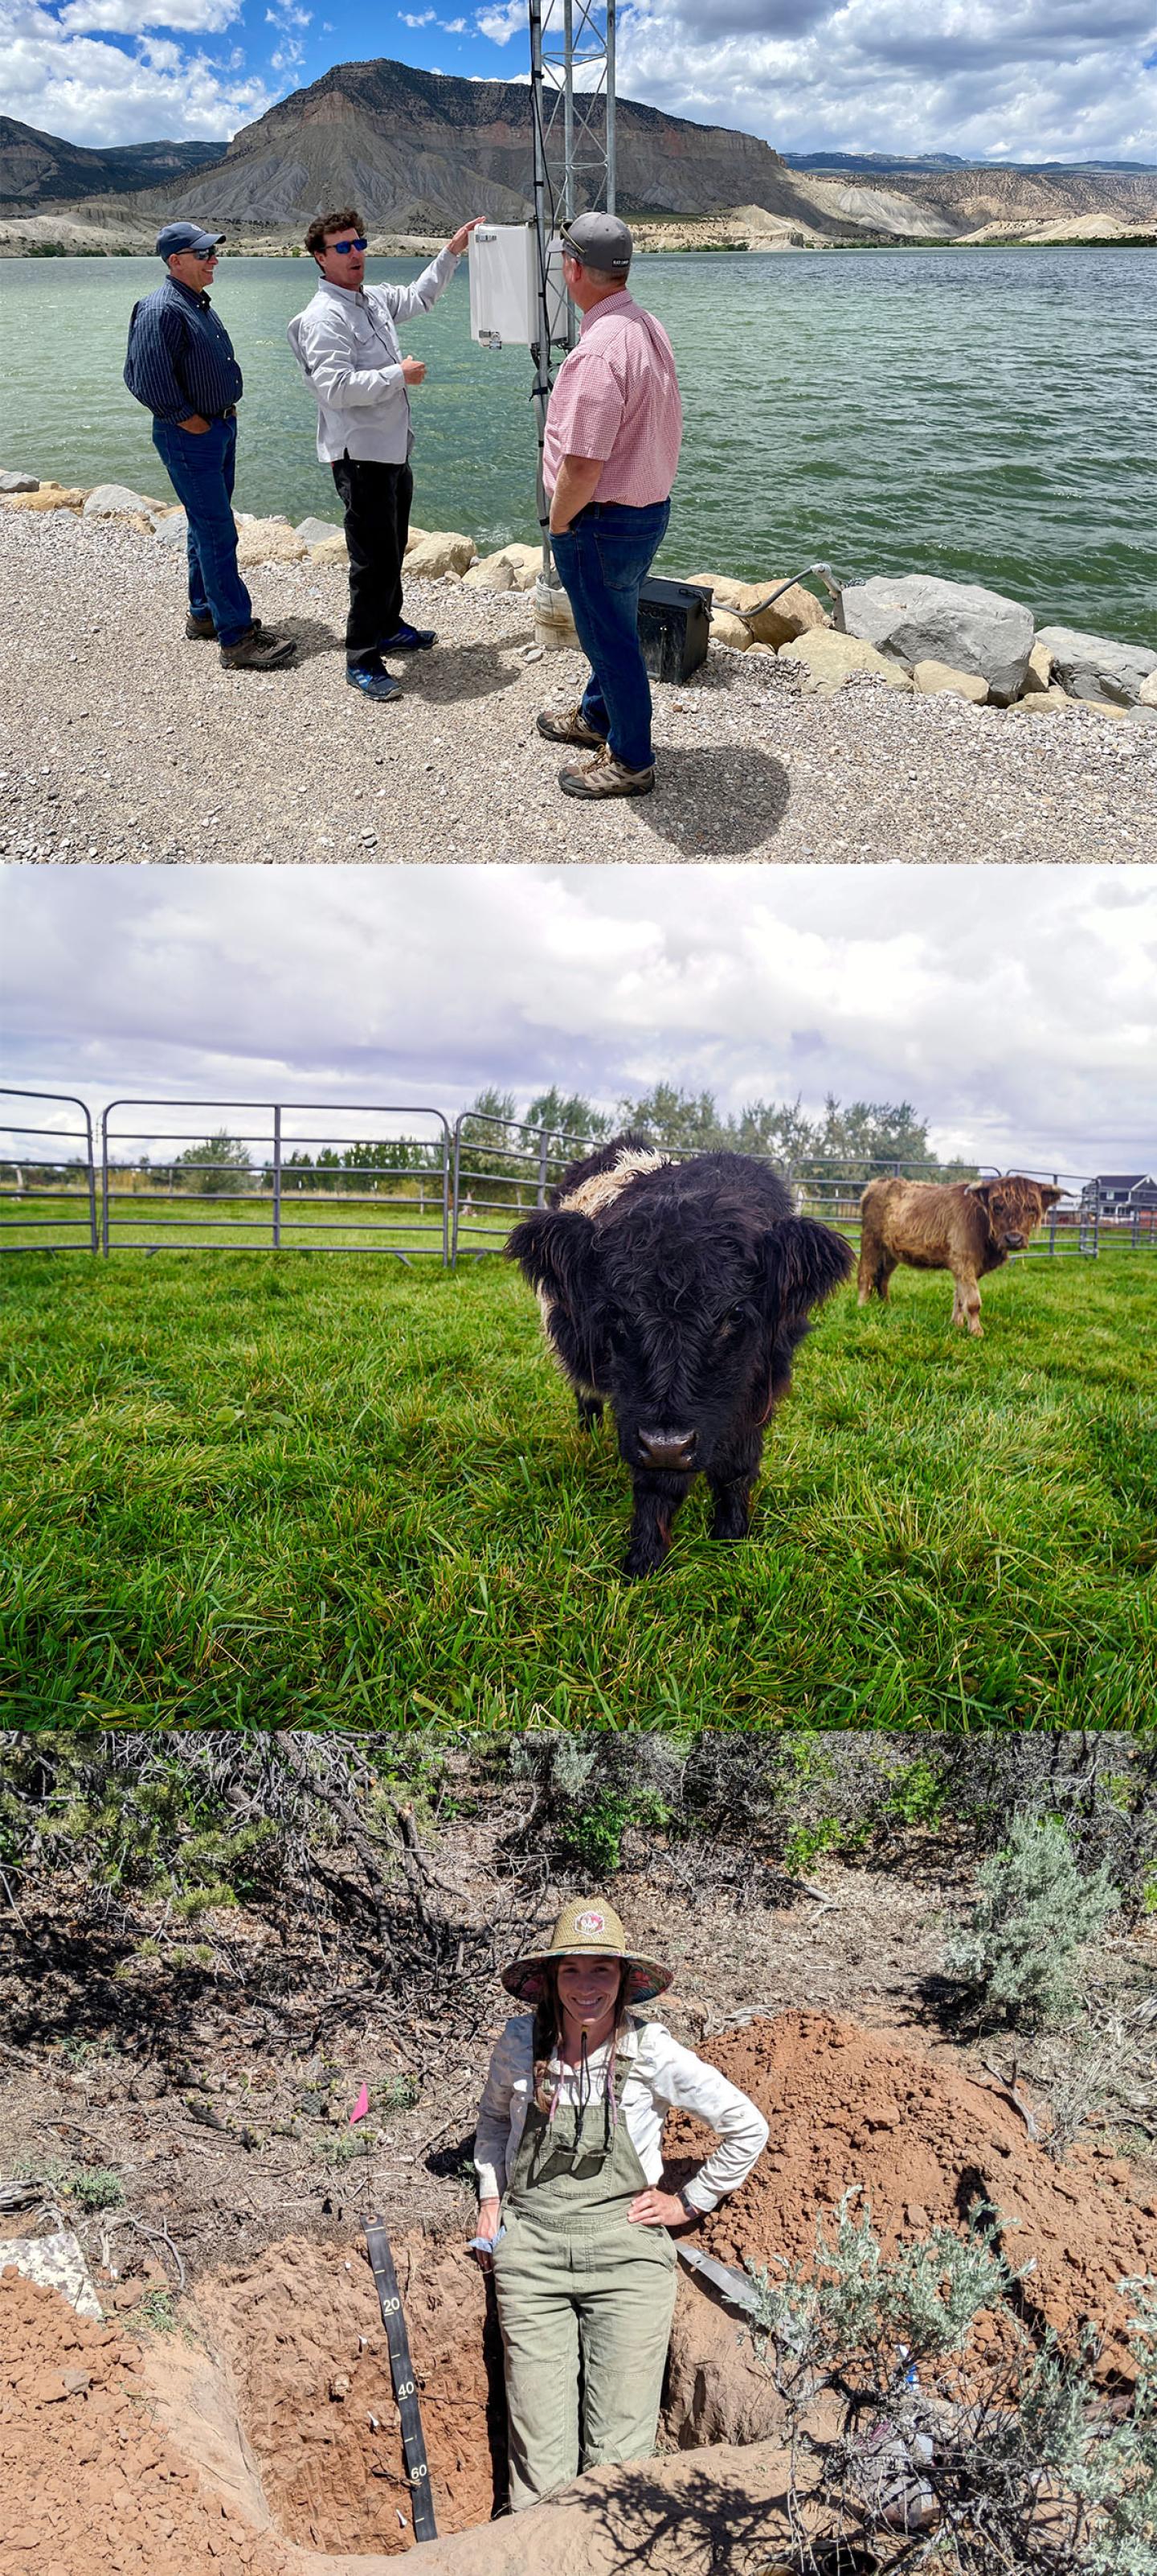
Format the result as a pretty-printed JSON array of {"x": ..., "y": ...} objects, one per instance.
[{"x": 590, "y": 1922}]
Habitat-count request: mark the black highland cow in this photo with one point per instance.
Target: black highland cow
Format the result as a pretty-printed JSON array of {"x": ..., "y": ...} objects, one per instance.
[{"x": 677, "y": 1293}]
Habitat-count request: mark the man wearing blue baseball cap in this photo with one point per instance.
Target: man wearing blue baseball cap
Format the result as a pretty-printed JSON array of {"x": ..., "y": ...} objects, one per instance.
[{"x": 180, "y": 365}]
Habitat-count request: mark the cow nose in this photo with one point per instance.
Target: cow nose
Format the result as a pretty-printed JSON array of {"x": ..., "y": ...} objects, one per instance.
[
  {"x": 674, "y": 1450},
  {"x": 1015, "y": 1242}
]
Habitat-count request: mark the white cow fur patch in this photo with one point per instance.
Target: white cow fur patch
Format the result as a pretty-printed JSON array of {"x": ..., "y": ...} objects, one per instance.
[{"x": 592, "y": 1198}]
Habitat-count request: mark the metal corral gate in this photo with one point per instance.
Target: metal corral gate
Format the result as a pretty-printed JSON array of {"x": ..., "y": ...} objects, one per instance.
[
  {"x": 295, "y": 1179},
  {"x": 69, "y": 1176},
  {"x": 498, "y": 1176},
  {"x": 275, "y": 1182}
]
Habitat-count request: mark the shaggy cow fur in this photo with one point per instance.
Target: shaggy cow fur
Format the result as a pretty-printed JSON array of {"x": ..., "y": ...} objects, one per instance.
[
  {"x": 967, "y": 1227},
  {"x": 677, "y": 1293}
]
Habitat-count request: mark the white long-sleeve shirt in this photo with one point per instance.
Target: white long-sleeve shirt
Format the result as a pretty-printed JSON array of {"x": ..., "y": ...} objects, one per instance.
[
  {"x": 662, "y": 2076},
  {"x": 347, "y": 346}
]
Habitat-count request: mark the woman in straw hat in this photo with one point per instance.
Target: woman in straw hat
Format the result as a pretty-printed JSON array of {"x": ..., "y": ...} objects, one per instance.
[{"x": 568, "y": 2159}]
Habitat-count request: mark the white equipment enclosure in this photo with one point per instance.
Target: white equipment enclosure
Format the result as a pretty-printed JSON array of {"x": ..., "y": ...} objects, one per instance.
[{"x": 505, "y": 286}]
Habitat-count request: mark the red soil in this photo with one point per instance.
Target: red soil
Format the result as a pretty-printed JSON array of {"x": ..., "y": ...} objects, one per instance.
[
  {"x": 847, "y": 2105},
  {"x": 303, "y": 2336},
  {"x": 88, "y": 2485}
]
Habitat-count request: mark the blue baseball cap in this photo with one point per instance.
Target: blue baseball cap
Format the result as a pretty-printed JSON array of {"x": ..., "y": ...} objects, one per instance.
[{"x": 175, "y": 237}]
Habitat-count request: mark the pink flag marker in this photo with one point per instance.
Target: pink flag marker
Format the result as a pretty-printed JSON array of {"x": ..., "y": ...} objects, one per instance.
[{"x": 361, "y": 2106}]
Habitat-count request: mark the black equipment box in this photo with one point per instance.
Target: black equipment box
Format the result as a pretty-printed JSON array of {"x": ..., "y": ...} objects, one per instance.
[{"x": 674, "y": 627}]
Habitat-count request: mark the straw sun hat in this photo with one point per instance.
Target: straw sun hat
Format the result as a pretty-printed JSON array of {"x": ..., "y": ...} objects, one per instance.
[{"x": 588, "y": 1928}]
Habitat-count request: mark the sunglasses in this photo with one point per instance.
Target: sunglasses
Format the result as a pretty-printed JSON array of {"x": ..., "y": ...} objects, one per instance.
[{"x": 343, "y": 249}]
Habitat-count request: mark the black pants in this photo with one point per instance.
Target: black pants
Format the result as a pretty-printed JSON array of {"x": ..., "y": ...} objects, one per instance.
[{"x": 376, "y": 500}]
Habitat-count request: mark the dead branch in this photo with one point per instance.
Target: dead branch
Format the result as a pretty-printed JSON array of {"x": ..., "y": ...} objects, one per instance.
[{"x": 1006, "y": 2084}]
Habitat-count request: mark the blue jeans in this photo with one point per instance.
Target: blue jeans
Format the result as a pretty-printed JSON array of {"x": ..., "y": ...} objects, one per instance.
[
  {"x": 200, "y": 465},
  {"x": 603, "y": 561}
]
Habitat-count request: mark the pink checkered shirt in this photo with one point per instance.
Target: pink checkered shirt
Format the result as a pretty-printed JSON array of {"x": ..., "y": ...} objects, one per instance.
[{"x": 617, "y": 397}]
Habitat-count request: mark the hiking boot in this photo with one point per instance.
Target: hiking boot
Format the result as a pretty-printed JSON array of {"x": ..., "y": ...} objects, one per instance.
[
  {"x": 569, "y": 724},
  {"x": 606, "y": 776},
  {"x": 256, "y": 651},
  {"x": 408, "y": 639},
  {"x": 373, "y": 680},
  {"x": 202, "y": 628}
]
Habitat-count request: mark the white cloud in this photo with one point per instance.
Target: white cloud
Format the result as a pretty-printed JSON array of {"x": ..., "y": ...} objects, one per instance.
[
  {"x": 502, "y": 22},
  {"x": 64, "y": 80},
  {"x": 426, "y": 18},
  {"x": 1033, "y": 79},
  {"x": 1023, "y": 1027},
  {"x": 130, "y": 17}
]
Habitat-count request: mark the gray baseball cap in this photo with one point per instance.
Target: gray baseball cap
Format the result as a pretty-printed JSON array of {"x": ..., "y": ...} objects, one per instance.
[
  {"x": 176, "y": 237},
  {"x": 600, "y": 241}
]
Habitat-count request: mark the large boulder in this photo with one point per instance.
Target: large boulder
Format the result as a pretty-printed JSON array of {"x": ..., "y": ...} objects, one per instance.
[
  {"x": 493, "y": 573},
  {"x": 116, "y": 501},
  {"x": 938, "y": 679},
  {"x": 913, "y": 617},
  {"x": 434, "y": 556},
  {"x": 262, "y": 541},
  {"x": 331, "y": 549},
  {"x": 828, "y": 661},
  {"x": 728, "y": 629},
  {"x": 11, "y": 480},
  {"x": 1147, "y": 693},
  {"x": 171, "y": 526},
  {"x": 513, "y": 567},
  {"x": 1095, "y": 666},
  {"x": 796, "y": 612},
  {"x": 316, "y": 532},
  {"x": 48, "y": 496}
]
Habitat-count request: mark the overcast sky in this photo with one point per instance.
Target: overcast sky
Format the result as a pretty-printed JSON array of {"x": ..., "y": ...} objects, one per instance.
[
  {"x": 1016, "y": 1008},
  {"x": 1015, "y": 79}
]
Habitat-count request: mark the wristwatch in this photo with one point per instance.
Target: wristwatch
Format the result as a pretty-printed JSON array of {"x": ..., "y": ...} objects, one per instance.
[{"x": 689, "y": 2205}]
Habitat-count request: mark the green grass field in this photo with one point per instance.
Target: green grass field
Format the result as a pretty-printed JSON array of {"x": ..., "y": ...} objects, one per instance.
[{"x": 322, "y": 1490}]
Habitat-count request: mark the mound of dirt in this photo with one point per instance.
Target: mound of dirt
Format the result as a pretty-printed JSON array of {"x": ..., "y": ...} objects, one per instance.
[
  {"x": 302, "y": 2335},
  {"x": 90, "y": 2488},
  {"x": 924, "y": 2140}
]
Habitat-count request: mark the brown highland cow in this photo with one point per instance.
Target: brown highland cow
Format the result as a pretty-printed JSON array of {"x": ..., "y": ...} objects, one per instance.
[{"x": 967, "y": 1227}]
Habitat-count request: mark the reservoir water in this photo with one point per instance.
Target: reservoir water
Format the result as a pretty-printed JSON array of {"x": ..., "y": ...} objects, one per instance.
[{"x": 985, "y": 414}]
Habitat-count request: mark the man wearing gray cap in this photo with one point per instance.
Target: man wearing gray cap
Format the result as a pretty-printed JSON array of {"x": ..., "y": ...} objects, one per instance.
[
  {"x": 613, "y": 431},
  {"x": 180, "y": 365}
]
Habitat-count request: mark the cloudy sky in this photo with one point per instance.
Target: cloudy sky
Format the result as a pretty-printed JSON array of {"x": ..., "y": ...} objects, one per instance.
[
  {"x": 1016, "y": 1008},
  {"x": 1011, "y": 79}
]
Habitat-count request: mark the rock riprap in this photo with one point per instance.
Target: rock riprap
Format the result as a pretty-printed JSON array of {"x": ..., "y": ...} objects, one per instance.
[
  {"x": 914, "y": 617},
  {"x": 118, "y": 501},
  {"x": 828, "y": 660},
  {"x": 1095, "y": 666}
]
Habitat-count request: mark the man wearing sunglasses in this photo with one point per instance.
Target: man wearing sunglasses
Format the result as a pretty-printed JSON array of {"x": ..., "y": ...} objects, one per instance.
[
  {"x": 180, "y": 365},
  {"x": 346, "y": 344}
]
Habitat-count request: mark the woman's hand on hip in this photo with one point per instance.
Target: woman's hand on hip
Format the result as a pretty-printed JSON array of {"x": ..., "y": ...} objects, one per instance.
[
  {"x": 489, "y": 2222},
  {"x": 658, "y": 2209}
]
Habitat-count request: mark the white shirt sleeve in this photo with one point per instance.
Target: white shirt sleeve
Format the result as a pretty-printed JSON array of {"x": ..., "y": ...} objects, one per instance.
[
  {"x": 492, "y": 2134},
  {"x": 682, "y": 2080},
  {"x": 404, "y": 302}
]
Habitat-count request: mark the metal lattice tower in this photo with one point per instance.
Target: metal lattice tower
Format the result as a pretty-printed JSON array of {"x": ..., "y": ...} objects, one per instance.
[{"x": 568, "y": 37}]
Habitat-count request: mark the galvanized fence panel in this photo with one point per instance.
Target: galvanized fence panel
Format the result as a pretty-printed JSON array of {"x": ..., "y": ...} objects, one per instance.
[
  {"x": 54, "y": 1192},
  {"x": 502, "y": 1168},
  {"x": 290, "y": 1177}
]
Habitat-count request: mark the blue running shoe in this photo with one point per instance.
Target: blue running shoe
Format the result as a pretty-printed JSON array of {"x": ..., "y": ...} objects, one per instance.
[
  {"x": 372, "y": 680},
  {"x": 409, "y": 639}
]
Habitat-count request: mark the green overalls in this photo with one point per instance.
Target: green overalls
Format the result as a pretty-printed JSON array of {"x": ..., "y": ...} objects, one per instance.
[{"x": 585, "y": 2298}]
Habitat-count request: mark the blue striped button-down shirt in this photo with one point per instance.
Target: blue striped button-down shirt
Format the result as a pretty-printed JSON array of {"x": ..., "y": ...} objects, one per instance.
[{"x": 180, "y": 357}]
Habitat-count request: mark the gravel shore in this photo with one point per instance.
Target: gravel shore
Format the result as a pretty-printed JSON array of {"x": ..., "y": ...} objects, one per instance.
[{"x": 124, "y": 741}]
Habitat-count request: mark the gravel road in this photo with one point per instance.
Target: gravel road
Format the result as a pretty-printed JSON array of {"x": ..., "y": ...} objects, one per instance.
[{"x": 124, "y": 741}]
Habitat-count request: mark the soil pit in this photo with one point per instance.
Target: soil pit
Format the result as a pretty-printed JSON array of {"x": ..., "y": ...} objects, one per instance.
[
  {"x": 924, "y": 2139},
  {"x": 90, "y": 2487},
  {"x": 302, "y": 2335}
]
